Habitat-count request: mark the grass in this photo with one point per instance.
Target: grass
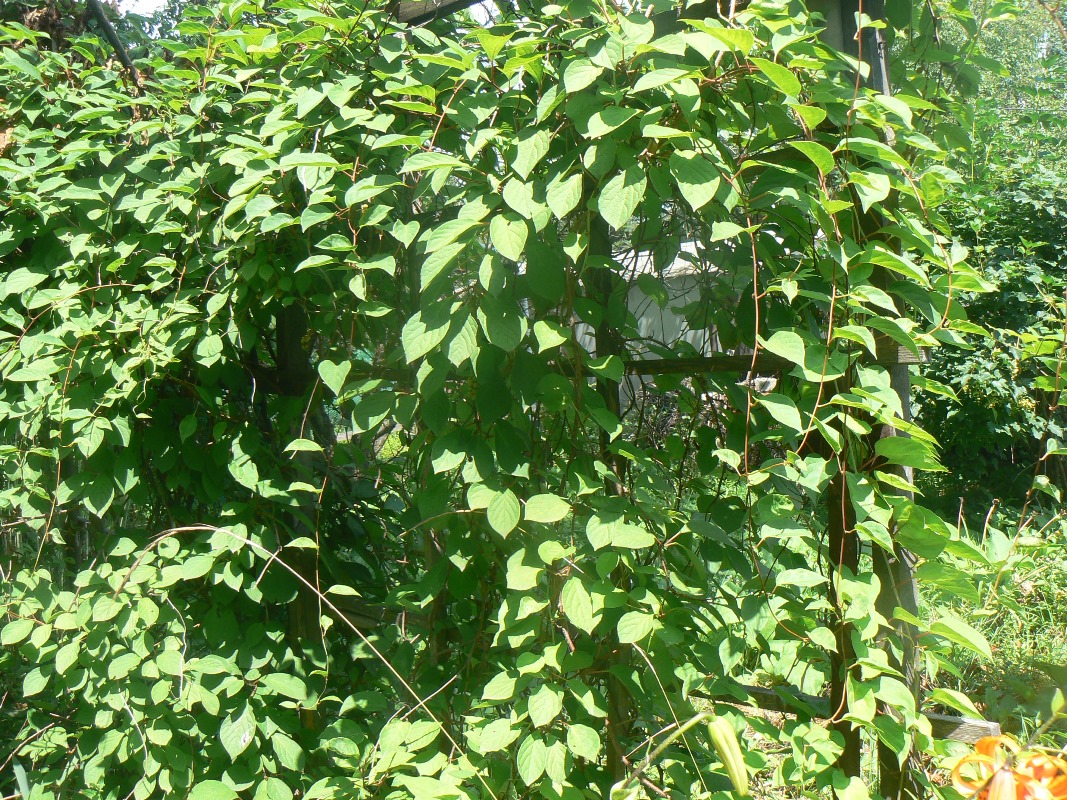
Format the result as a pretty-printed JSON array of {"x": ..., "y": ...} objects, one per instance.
[{"x": 1023, "y": 614}]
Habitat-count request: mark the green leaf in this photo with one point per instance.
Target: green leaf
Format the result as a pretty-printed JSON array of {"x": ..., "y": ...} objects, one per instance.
[
  {"x": 738, "y": 39},
  {"x": 508, "y": 236},
  {"x": 659, "y": 77},
  {"x": 438, "y": 263},
  {"x": 545, "y": 705},
  {"x": 855, "y": 789},
  {"x": 503, "y": 325},
  {"x": 858, "y": 334},
  {"x": 874, "y": 150},
  {"x": 290, "y": 754},
  {"x": 583, "y": 742},
  {"x": 24, "y": 66},
  {"x": 307, "y": 99},
  {"x": 504, "y": 512},
  {"x": 37, "y": 370},
  {"x": 236, "y": 734},
  {"x": 871, "y": 187},
  {"x": 519, "y": 196},
  {"x": 812, "y": 116},
  {"x": 520, "y": 577},
  {"x": 334, "y": 375},
  {"x": 500, "y": 687},
  {"x": 949, "y": 579},
  {"x": 446, "y": 233},
  {"x": 785, "y": 344},
  {"x": 530, "y": 147},
  {"x": 635, "y": 626},
  {"x": 956, "y": 630},
  {"x": 106, "y": 608},
  {"x": 405, "y": 232},
  {"x": 285, "y": 685},
  {"x": 953, "y": 699},
  {"x": 784, "y": 410},
  {"x": 67, "y": 656},
  {"x": 546, "y": 508},
  {"x": 802, "y": 578},
  {"x": 820, "y": 156},
  {"x": 607, "y": 120},
  {"x": 612, "y": 530},
  {"x": 908, "y": 452},
  {"x": 424, "y": 161},
  {"x": 491, "y": 43},
  {"x": 549, "y": 335},
  {"x": 578, "y": 605},
  {"x": 16, "y": 631},
  {"x": 302, "y": 446},
  {"x": 20, "y": 279},
  {"x": 212, "y": 790},
  {"x": 171, "y": 662},
  {"x": 99, "y": 495},
  {"x": 299, "y": 159},
  {"x": 619, "y": 197},
  {"x": 780, "y": 76},
  {"x": 208, "y": 350},
  {"x": 725, "y": 230},
  {"x": 196, "y": 567},
  {"x": 273, "y": 789},
  {"x": 563, "y": 194},
  {"x": 580, "y": 74},
  {"x": 424, "y": 331},
  {"x": 121, "y": 666},
  {"x": 241, "y": 465},
  {"x": 35, "y": 682},
  {"x": 608, "y": 367},
  {"x": 531, "y": 759},
  {"x": 697, "y": 178},
  {"x": 497, "y": 735},
  {"x": 464, "y": 344}
]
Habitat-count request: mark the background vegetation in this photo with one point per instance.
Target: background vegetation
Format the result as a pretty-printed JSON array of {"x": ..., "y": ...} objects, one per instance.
[{"x": 1008, "y": 418}]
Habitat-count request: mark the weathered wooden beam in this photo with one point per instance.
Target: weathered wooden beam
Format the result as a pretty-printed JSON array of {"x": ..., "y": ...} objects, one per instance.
[
  {"x": 416, "y": 12},
  {"x": 888, "y": 354},
  {"x": 716, "y": 362},
  {"x": 788, "y": 701},
  {"x": 961, "y": 729}
]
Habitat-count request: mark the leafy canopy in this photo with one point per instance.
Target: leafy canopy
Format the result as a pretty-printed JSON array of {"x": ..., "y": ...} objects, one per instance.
[{"x": 361, "y": 297}]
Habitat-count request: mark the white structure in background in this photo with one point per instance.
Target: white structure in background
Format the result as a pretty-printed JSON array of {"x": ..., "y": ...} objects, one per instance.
[
  {"x": 680, "y": 317},
  {"x": 667, "y": 325},
  {"x": 663, "y": 321},
  {"x": 144, "y": 8}
]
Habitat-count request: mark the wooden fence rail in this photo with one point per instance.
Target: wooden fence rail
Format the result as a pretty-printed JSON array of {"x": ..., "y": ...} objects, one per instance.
[{"x": 788, "y": 701}]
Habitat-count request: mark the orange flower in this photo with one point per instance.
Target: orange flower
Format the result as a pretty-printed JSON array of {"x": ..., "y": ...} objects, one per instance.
[{"x": 1006, "y": 773}]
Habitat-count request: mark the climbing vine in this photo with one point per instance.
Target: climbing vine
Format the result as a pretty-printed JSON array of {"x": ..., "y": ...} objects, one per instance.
[{"x": 323, "y": 474}]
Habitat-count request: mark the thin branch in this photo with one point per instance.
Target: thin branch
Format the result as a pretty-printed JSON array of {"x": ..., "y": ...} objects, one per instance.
[{"x": 1054, "y": 14}]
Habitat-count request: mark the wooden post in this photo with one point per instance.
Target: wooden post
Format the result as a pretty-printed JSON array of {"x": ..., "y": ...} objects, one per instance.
[
  {"x": 600, "y": 285},
  {"x": 899, "y": 589},
  {"x": 843, "y": 550},
  {"x": 894, "y": 571}
]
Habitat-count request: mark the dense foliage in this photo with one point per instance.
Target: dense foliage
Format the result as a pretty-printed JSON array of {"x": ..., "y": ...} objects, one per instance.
[
  {"x": 1011, "y": 213},
  {"x": 317, "y": 359}
]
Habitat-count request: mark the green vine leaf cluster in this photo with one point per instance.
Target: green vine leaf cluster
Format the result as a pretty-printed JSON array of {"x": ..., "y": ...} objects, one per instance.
[{"x": 361, "y": 297}]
